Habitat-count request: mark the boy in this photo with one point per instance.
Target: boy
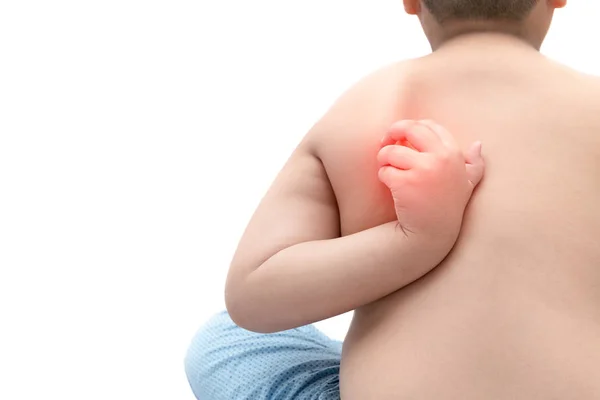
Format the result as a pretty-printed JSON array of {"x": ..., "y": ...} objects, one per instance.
[{"x": 509, "y": 310}]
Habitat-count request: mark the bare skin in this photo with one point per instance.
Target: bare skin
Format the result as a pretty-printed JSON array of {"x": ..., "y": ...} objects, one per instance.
[{"x": 514, "y": 311}]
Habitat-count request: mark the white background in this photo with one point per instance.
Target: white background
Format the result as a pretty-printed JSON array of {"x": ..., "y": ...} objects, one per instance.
[{"x": 136, "y": 139}]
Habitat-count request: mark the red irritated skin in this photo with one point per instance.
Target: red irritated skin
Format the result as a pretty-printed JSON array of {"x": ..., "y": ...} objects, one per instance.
[
  {"x": 429, "y": 177},
  {"x": 301, "y": 270}
]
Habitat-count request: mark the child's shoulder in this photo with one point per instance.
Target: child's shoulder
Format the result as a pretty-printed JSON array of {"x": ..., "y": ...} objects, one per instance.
[{"x": 368, "y": 101}]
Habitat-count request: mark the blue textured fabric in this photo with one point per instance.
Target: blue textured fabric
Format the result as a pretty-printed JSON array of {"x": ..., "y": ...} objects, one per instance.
[{"x": 226, "y": 362}]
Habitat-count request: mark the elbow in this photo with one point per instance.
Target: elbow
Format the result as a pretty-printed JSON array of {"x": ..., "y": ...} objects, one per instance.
[
  {"x": 246, "y": 313},
  {"x": 238, "y": 312}
]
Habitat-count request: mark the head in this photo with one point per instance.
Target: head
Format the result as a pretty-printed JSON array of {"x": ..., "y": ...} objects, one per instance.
[{"x": 443, "y": 20}]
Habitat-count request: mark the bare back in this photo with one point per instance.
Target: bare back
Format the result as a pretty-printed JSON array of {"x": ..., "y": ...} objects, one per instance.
[{"x": 514, "y": 311}]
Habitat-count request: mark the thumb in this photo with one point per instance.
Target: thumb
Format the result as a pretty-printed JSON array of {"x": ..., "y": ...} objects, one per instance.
[{"x": 474, "y": 164}]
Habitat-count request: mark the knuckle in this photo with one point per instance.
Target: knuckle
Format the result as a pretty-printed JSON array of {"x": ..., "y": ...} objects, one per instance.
[
  {"x": 428, "y": 123},
  {"x": 383, "y": 153},
  {"x": 447, "y": 155},
  {"x": 428, "y": 166},
  {"x": 442, "y": 158}
]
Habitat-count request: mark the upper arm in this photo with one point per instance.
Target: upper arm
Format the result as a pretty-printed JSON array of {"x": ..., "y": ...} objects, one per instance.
[{"x": 299, "y": 206}]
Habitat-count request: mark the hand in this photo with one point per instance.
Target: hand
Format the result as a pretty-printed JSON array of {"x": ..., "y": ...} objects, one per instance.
[{"x": 430, "y": 179}]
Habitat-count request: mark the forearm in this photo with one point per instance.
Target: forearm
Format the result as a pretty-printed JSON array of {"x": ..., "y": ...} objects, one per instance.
[{"x": 312, "y": 281}]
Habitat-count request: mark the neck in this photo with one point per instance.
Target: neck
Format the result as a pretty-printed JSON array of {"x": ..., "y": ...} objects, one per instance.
[
  {"x": 484, "y": 37},
  {"x": 483, "y": 31}
]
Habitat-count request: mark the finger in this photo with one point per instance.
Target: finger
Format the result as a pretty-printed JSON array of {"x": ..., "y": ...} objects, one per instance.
[
  {"x": 445, "y": 136},
  {"x": 390, "y": 176},
  {"x": 394, "y": 131},
  {"x": 398, "y": 156},
  {"x": 475, "y": 164},
  {"x": 421, "y": 137},
  {"x": 473, "y": 155}
]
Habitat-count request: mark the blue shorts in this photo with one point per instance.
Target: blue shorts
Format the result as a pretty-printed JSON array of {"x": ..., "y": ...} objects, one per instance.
[{"x": 226, "y": 362}]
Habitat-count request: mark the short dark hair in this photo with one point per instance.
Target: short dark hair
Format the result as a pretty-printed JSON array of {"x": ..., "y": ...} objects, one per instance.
[{"x": 512, "y": 10}]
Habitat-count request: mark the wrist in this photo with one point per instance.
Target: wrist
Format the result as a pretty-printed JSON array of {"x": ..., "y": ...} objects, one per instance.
[{"x": 438, "y": 242}]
